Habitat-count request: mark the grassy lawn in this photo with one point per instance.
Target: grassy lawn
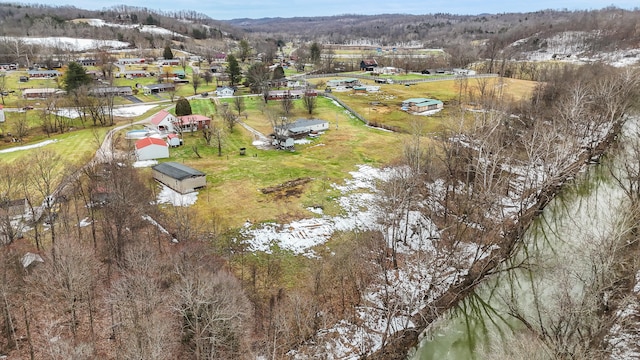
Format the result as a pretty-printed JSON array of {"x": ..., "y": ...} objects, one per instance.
[{"x": 234, "y": 181}]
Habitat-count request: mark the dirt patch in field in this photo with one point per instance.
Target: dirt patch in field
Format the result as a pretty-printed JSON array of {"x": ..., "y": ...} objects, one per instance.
[{"x": 287, "y": 189}]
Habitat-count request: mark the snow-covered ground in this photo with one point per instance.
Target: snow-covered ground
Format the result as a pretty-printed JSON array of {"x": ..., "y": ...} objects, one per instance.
[
  {"x": 170, "y": 196},
  {"x": 123, "y": 111},
  {"x": 68, "y": 43},
  {"x": 28, "y": 147},
  {"x": 143, "y": 28}
]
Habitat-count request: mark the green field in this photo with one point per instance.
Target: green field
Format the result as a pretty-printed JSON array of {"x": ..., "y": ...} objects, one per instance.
[{"x": 234, "y": 180}]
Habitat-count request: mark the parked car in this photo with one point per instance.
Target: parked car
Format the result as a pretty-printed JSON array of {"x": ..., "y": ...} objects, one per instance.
[{"x": 28, "y": 107}]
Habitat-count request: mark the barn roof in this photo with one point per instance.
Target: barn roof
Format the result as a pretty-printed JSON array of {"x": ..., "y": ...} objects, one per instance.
[
  {"x": 177, "y": 171},
  {"x": 148, "y": 141}
]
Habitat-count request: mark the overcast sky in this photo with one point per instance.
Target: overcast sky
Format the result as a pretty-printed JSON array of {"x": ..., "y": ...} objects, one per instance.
[{"x": 234, "y": 9}]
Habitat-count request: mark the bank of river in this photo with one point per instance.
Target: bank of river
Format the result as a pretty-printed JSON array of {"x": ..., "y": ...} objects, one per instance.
[{"x": 552, "y": 267}]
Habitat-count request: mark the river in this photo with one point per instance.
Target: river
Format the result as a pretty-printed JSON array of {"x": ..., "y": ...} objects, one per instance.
[{"x": 549, "y": 276}]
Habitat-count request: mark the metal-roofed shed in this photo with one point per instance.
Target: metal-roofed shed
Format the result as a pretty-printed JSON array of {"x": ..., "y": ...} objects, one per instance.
[{"x": 179, "y": 177}]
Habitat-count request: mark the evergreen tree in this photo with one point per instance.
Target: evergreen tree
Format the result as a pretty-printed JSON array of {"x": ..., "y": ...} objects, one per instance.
[
  {"x": 167, "y": 54},
  {"x": 75, "y": 77},
  {"x": 315, "y": 53},
  {"x": 233, "y": 69},
  {"x": 183, "y": 107},
  {"x": 278, "y": 73}
]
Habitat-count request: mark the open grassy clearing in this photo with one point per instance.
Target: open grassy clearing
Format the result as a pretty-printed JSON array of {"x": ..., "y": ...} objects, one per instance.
[{"x": 234, "y": 181}]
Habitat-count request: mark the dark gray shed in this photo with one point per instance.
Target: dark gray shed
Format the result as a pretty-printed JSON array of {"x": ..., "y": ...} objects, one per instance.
[{"x": 179, "y": 177}]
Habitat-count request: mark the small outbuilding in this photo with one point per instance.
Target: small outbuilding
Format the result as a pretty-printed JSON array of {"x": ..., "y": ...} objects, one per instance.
[
  {"x": 174, "y": 140},
  {"x": 179, "y": 177},
  {"x": 151, "y": 148}
]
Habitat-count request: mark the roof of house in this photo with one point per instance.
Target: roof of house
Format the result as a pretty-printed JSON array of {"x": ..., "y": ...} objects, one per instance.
[
  {"x": 177, "y": 171},
  {"x": 225, "y": 88},
  {"x": 148, "y": 141},
  {"x": 172, "y": 136},
  {"x": 160, "y": 86},
  {"x": 186, "y": 119},
  {"x": 40, "y": 91},
  {"x": 302, "y": 124},
  {"x": 161, "y": 115},
  {"x": 369, "y": 62}
]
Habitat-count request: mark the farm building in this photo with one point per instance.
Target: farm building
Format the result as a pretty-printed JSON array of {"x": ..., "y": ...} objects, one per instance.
[
  {"x": 164, "y": 121},
  {"x": 418, "y": 105},
  {"x": 111, "y": 91},
  {"x": 158, "y": 88},
  {"x": 179, "y": 177},
  {"x": 151, "y": 148},
  {"x": 346, "y": 82},
  {"x": 301, "y": 127},
  {"x": 43, "y": 74},
  {"x": 360, "y": 89},
  {"x": 368, "y": 64},
  {"x": 194, "y": 122},
  {"x": 174, "y": 140},
  {"x": 224, "y": 91},
  {"x": 41, "y": 93}
]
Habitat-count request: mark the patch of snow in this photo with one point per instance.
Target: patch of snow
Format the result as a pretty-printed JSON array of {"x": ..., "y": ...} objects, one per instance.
[
  {"x": 27, "y": 147},
  {"x": 67, "y": 43},
  {"x": 29, "y": 258},
  {"x": 132, "y": 111},
  {"x": 142, "y": 28},
  {"x": 170, "y": 196},
  {"x": 316, "y": 210},
  {"x": 84, "y": 222},
  {"x": 144, "y": 163},
  {"x": 302, "y": 141}
]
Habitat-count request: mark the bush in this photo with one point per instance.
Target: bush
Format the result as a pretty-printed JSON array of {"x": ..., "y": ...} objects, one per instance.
[{"x": 183, "y": 107}]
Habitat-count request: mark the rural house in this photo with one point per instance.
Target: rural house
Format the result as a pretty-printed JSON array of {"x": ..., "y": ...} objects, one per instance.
[
  {"x": 130, "y": 61},
  {"x": 151, "y": 148},
  {"x": 158, "y": 88},
  {"x": 131, "y": 74},
  {"x": 164, "y": 121},
  {"x": 179, "y": 177},
  {"x": 346, "y": 82},
  {"x": 225, "y": 91},
  {"x": 301, "y": 127},
  {"x": 43, "y": 74},
  {"x": 41, "y": 93},
  {"x": 368, "y": 64},
  {"x": 194, "y": 122},
  {"x": 111, "y": 91}
]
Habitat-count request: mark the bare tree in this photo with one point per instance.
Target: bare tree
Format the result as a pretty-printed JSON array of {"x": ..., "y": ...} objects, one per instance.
[
  {"x": 213, "y": 309},
  {"x": 195, "y": 82},
  {"x": 310, "y": 101},
  {"x": 238, "y": 104},
  {"x": 286, "y": 104}
]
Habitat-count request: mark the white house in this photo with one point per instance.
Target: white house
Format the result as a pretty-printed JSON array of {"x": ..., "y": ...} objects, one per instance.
[
  {"x": 151, "y": 148},
  {"x": 302, "y": 127},
  {"x": 225, "y": 91},
  {"x": 164, "y": 121}
]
